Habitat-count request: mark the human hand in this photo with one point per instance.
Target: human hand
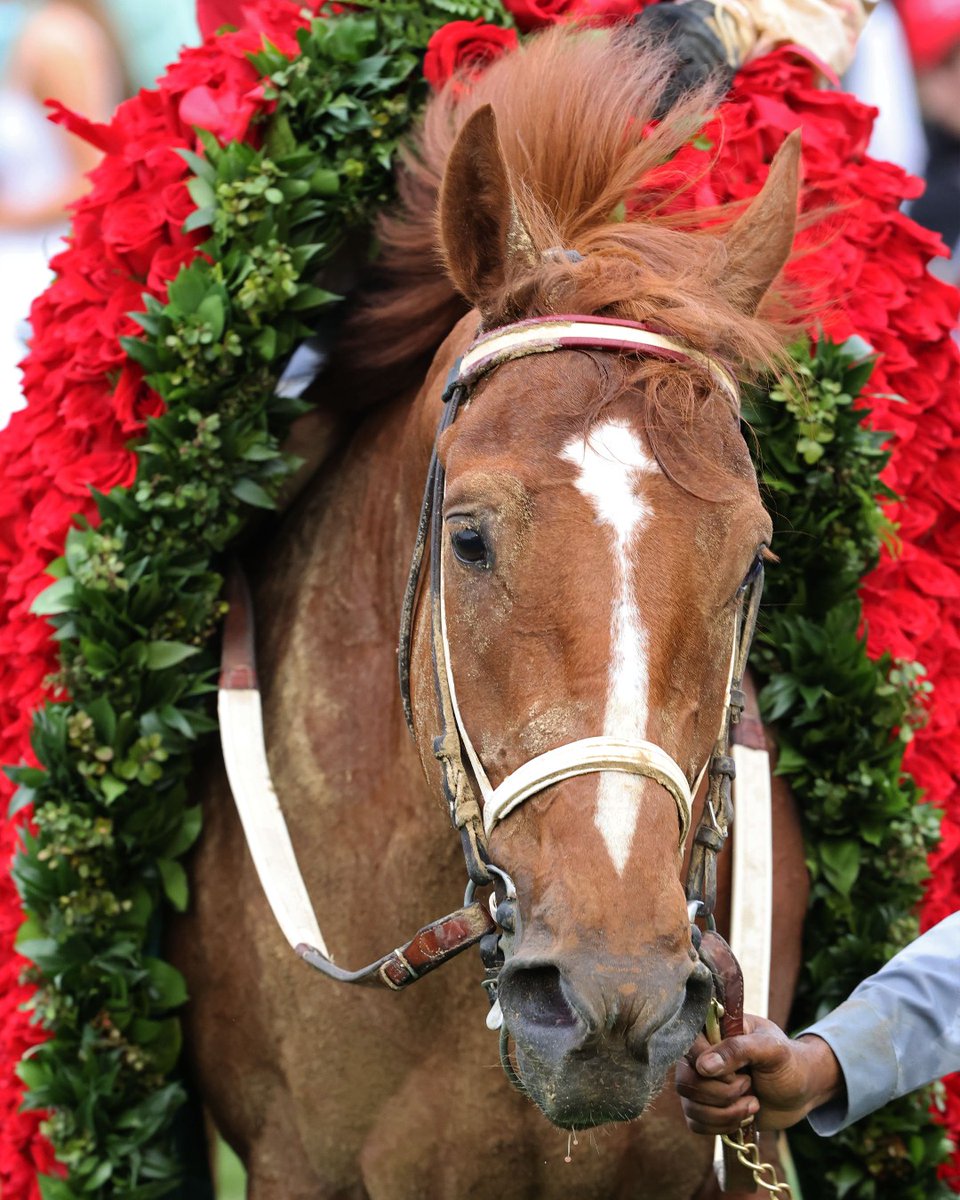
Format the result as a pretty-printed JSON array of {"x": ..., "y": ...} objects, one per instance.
[{"x": 788, "y": 1078}]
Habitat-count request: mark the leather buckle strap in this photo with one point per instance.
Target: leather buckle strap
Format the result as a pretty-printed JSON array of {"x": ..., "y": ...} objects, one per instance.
[
  {"x": 429, "y": 948},
  {"x": 717, "y": 816},
  {"x": 728, "y": 989}
]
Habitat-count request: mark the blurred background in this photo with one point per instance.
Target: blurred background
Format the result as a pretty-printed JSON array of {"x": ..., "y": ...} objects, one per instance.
[{"x": 90, "y": 54}]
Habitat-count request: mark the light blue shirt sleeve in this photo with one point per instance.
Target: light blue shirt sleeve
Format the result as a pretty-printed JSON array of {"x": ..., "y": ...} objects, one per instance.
[{"x": 899, "y": 1030}]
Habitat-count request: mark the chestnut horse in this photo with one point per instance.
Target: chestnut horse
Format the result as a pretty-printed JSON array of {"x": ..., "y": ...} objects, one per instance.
[{"x": 600, "y": 515}]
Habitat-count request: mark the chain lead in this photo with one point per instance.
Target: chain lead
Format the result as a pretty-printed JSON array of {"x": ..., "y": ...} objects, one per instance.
[{"x": 748, "y": 1153}]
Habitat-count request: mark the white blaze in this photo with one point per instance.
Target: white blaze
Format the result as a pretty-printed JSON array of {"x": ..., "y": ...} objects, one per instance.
[{"x": 609, "y": 463}]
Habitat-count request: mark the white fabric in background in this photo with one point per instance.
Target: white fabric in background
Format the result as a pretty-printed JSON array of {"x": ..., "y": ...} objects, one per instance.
[
  {"x": 34, "y": 164},
  {"x": 882, "y": 75}
]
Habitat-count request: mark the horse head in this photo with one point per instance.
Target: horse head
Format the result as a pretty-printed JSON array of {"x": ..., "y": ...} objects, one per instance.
[{"x": 599, "y": 517}]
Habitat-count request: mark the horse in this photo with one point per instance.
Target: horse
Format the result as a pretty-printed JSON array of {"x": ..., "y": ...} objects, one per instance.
[{"x": 600, "y": 515}]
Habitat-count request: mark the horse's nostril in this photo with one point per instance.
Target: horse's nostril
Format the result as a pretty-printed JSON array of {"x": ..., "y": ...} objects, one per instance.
[{"x": 536, "y": 995}]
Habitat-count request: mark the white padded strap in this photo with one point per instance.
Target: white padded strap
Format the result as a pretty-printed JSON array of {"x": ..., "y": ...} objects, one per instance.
[
  {"x": 581, "y": 758},
  {"x": 268, "y": 839},
  {"x": 751, "y": 902}
]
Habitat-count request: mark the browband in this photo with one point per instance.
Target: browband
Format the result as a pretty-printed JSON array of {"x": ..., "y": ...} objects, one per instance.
[{"x": 543, "y": 334}]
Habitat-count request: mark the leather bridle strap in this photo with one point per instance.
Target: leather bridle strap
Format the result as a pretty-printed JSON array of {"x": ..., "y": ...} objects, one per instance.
[
  {"x": 572, "y": 332},
  {"x": 714, "y": 827}
]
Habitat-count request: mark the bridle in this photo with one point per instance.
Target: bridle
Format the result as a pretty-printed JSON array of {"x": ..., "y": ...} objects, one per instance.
[{"x": 474, "y": 805}]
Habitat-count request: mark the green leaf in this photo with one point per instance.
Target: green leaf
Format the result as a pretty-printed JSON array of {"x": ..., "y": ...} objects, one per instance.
[
  {"x": 31, "y": 1073},
  {"x": 52, "y": 1188},
  {"x": 55, "y": 599},
  {"x": 187, "y": 834},
  {"x": 201, "y": 167},
  {"x": 201, "y": 218},
  {"x": 161, "y": 655},
  {"x": 111, "y": 787},
  {"x": 265, "y": 343},
  {"x": 841, "y": 864},
  {"x": 99, "y": 1176},
  {"x": 847, "y": 1177},
  {"x": 251, "y": 492},
  {"x": 212, "y": 311},
  {"x": 202, "y": 193},
  {"x": 167, "y": 986},
  {"x": 190, "y": 288},
  {"x": 175, "y": 886},
  {"x": 20, "y": 799},
  {"x": 311, "y": 297}
]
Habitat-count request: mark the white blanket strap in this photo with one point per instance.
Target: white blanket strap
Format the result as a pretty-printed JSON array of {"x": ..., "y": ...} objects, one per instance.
[
  {"x": 751, "y": 904},
  {"x": 268, "y": 839}
]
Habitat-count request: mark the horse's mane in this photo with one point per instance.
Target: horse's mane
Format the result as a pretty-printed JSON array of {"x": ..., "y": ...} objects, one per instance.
[{"x": 574, "y": 111}]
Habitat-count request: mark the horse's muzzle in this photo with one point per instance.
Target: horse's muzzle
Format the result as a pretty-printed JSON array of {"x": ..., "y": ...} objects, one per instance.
[{"x": 593, "y": 1045}]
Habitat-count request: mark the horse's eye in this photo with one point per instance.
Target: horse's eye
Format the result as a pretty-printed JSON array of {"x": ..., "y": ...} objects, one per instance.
[
  {"x": 469, "y": 547},
  {"x": 756, "y": 569}
]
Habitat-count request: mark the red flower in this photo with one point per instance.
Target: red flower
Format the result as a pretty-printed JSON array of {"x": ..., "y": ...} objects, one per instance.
[
  {"x": 226, "y": 113},
  {"x": 464, "y": 47},
  {"x": 535, "y": 14},
  {"x": 213, "y": 14}
]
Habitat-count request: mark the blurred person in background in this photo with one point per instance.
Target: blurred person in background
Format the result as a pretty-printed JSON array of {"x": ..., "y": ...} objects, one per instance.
[
  {"x": 932, "y": 29},
  {"x": 151, "y": 34},
  {"x": 66, "y": 49},
  {"x": 882, "y": 74}
]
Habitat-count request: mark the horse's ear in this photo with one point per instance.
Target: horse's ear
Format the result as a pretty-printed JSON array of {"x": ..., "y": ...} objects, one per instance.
[
  {"x": 759, "y": 242},
  {"x": 481, "y": 232}
]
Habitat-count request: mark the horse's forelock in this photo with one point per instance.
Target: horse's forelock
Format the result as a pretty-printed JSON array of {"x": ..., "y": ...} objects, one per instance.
[{"x": 564, "y": 103}]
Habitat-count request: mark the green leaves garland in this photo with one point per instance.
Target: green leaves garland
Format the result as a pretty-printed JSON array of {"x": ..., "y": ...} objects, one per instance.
[
  {"x": 136, "y": 600},
  {"x": 842, "y": 721}
]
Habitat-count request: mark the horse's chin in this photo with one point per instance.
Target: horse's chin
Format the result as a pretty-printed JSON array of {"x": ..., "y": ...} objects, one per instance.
[{"x": 588, "y": 1091}]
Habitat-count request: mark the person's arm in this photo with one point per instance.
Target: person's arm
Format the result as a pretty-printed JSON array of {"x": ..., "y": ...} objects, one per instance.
[{"x": 898, "y": 1030}]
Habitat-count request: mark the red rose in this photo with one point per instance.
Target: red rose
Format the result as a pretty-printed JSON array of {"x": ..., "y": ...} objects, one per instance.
[
  {"x": 605, "y": 12},
  {"x": 212, "y": 14},
  {"x": 534, "y": 14},
  {"x": 463, "y": 48},
  {"x": 135, "y": 226}
]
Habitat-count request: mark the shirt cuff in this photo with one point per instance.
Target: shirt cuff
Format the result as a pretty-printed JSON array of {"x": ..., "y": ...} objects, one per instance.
[{"x": 854, "y": 1031}]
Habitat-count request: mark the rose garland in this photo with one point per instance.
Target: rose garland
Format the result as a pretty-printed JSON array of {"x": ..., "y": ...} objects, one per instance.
[{"x": 110, "y": 818}]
